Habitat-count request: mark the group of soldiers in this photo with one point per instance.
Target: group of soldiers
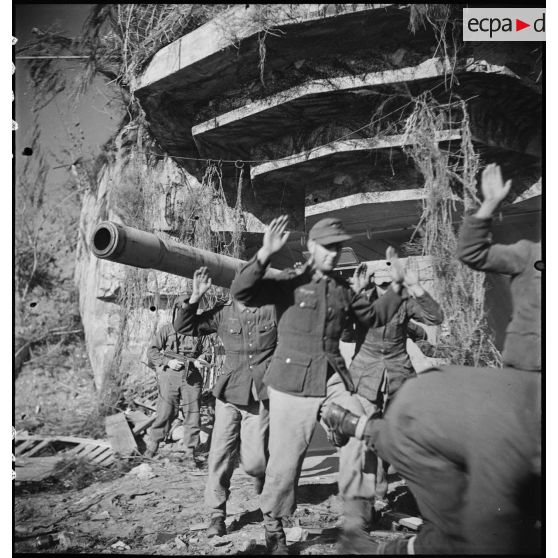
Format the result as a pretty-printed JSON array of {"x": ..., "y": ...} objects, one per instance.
[{"x": 467, "y": 441}]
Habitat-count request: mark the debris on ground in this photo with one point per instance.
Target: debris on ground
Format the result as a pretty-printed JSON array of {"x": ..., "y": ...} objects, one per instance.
[
  {"x": 120, "y": 546},
  {"x": 120, "y": 435},
  {"x": 296, "y": 534},
  {"x": 113, "y": 512},
  {"x": 143, "y": 472}
]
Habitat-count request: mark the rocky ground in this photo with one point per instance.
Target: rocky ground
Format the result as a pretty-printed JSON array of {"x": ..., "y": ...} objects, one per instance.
[{"x": 141, "y": 506}]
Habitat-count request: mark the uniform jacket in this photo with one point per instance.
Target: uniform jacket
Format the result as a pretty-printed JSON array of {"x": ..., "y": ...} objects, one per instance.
[
  {"x": 167, "y": 339},
  {"x": 522, "y": 347},
  {"x": 312, "y": 313},
  {"x": 249, "y": 336},
  {"x": 384, "y": 348}
]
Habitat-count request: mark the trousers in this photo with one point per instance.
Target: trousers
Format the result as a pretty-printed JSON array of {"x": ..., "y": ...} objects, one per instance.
[
  {"x": 237, "y": 427},
  {"x": 175, "y": 385},
  {"x": 292, "y": 420}
]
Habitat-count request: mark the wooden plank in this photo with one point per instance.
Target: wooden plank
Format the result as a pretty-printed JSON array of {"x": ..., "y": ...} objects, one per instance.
[
  {"x": 94, "y": 452},
  {"x": 36, "y": 468},
  {"x": 70, "y": 439},
  {"x": 76, "y": 450},
  {"x": 141, "y": 427},
  {"x": 21, "y": 448},
  {"x": 136, "y": 417},
  {"x": 144, "y": 404},
  {"x": 87, "y": 451},
  {"x": 105, "y": 458},
  {"x": 39, "y": 447},
  {"x": 103, "y": 455},
  {"x": 119, "y": 434}
]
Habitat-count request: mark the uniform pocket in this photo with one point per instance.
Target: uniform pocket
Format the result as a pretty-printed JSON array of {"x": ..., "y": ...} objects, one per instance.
[
  {"x": 267, "y": 333},
  {"x": 291, "y": 371},
  {"x": 231, "y": 335},
  {"x": 304, "y": 313}
]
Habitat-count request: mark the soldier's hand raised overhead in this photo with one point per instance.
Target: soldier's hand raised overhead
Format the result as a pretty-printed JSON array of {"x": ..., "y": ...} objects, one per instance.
[
  {"x": 360, "y": 278},
  {"x": 201, "y": 284},
  {"x": 412, "y": 283},
  {"x": 493, "y": 190},
  {"x": 275, "y": 237}
]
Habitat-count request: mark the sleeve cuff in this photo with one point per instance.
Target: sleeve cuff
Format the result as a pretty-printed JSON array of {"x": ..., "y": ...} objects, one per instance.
[{"x": 259, "y": 264}]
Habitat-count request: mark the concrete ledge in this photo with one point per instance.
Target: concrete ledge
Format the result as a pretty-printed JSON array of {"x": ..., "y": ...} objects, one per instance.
[
  {"x": 349, "y": 202},
  {"x": 432, "y": 68},
  {"x": 344, "y": 146},
  {"x": 216, "y": 35}
]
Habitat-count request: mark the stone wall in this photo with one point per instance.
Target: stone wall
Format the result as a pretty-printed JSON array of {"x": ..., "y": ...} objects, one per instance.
[{"x": 100, "y": 282}]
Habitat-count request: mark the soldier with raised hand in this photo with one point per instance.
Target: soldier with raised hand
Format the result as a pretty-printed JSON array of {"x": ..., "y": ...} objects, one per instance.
[
  {"x": 308, "y": 370},
  {"x": 468, "y": 440},
  {"x": 522, "y": 348},
  {"x": 381, "y": 363},
  {"x": 249, "y": 337}
]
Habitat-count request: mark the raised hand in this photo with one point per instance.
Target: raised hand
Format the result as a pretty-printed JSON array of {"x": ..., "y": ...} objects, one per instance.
[
  {"x": 412, "y": 283},
  {"x": 360, "y": 278},
  {"x": 494, "y": 190},
  {"x": 201, "y": 284},
  {"x": 275, "y": 237}
]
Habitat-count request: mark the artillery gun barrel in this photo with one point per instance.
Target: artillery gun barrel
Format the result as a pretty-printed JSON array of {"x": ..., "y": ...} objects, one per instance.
[{"x": 127, "y": 245}]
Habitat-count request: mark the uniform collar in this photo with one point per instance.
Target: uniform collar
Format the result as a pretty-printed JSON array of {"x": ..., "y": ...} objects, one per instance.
[{"x": 251, "y": 309}]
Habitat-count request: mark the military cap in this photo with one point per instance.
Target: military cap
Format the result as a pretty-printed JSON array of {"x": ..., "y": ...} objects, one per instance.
[{"x": 328, "y": 231}]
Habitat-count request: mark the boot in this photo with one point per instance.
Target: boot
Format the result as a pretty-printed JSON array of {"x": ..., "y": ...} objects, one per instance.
[
  {"x": 217, "y": 527},
  {"x": 354, "y": 538},
  {"x": 151, "y": 448},
  {"x": 275, "y": 539}
]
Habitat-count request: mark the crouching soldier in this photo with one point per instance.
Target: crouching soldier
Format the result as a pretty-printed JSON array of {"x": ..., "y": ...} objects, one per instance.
[
  {"x": 174, "y": 356},
  {"x": 465, "y": 440},
  {"x": 249, "y": 337}
]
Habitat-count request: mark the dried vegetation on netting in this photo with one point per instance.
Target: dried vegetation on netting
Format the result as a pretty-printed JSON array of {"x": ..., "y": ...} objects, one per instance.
[{"x": 450, "y": 182}]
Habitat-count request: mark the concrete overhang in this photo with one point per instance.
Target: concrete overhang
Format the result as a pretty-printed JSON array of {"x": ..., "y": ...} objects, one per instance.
[
  {"x": 316, "y": 102},
  {"x": 212, "y": 53},
  {"x": 371, "y": 212},
  {"x": 340, "y": 168},
  {"x": 338, "y": 153},
  {"x": 390, "y": 219},
  {"x": 192, "y": 71}
]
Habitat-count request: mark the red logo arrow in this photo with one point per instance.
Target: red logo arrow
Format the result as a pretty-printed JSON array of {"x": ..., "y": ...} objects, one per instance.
[{"x": 519, "y": 25}]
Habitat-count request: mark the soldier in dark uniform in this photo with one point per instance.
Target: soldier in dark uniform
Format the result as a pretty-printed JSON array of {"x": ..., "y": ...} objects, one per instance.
[
  {"x": 176, "y": 381},
  {"x": 381, "y": 363},
  {"x": 307, "y": 369},
  {"x": 468, "y": 440},
  {"x": 249, "y": 336}
]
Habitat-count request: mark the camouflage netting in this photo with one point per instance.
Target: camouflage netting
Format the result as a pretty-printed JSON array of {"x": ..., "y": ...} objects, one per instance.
[{"x": 450, "y": 181}]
